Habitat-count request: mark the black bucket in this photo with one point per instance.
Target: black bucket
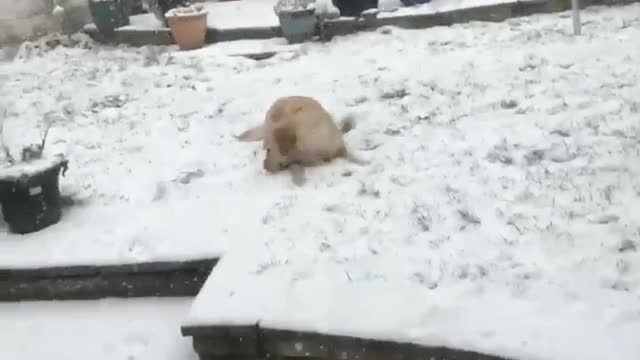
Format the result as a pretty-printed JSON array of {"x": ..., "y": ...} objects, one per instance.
[
  {"x": 31, "y": 202},
  {"x": 160, "y": 7},
  {"x": 110, "y": 15},
  {"x": 353, "y": 8}
]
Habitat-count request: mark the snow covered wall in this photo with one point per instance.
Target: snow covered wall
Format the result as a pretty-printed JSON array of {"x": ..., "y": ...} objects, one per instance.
[{"x": 23, "y": 19}]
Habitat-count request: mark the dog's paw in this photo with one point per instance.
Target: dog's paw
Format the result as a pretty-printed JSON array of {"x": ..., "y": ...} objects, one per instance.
[{"x": 297, "y": 175}]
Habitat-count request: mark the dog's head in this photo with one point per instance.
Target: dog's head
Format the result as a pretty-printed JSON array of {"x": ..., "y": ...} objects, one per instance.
[{"x": 280, "y": 149}]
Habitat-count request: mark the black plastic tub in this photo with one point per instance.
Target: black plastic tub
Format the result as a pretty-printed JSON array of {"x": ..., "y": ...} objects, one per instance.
[
  {"x": 354, "y": 7},
  {"x": 30, "y": 194},
  {"x": 160, "y": 7}
]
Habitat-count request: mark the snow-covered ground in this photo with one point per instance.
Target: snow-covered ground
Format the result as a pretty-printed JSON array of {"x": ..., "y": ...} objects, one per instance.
[
  {"x": 498, "y": 214},
  {"x": 99, "y": 330}
]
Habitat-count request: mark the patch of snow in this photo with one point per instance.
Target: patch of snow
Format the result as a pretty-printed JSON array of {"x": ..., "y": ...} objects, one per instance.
[
  {"x": 39, "y": 47},
  {"x": 29, "y": 168},
  {"x": 140, "y": 329},
  {"x": 389, "y": 5},
  {"x": 58, "y": 11},
  {"x": 191, "y": 10},
  {"x": 435, "y": 6},
  {"x": 255, "y": 46},
  {"x": 241, "y": 14},
  {"x": 293, "y": 5},
  {"x": 143, "y": 22},
  {"x": 326, "y": 9}
]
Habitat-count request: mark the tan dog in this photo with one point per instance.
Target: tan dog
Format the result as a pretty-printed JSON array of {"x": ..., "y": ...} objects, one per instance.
[{"x": 297, "y": 132}]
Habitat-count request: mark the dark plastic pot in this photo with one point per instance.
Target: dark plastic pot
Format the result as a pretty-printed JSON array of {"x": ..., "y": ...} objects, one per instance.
[
  {"x": 31, "y": 202},
  {"x": 136, "y": 7},
  {"x": 298, "y": 25},
  {"x": 109, "y": 15},
  {"x": 354, "y": 7},
  {"x": 160, "y": 7},
  {"x": 414, "y": 2}
]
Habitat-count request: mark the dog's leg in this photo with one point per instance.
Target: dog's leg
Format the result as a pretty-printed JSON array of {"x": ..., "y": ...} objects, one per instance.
[
  {"x": 254, "y": 134},
  {"x": 297, "y": 174}
]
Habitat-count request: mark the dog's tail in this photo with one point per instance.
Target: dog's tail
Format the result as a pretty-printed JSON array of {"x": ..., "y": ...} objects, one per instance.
[
  {"x": 347, "y": 123},
  {"x": 254, "y": 134},
  {"x": 350, "y": 156},
  {"x": 355, "y": 159}
]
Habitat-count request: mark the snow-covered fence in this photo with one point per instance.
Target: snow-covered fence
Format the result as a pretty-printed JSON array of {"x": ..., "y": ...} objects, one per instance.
[{"x": 24, "y": 19}]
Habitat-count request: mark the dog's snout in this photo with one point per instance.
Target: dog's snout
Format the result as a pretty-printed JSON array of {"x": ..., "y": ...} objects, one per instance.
[{"x": 270, "y": 165}]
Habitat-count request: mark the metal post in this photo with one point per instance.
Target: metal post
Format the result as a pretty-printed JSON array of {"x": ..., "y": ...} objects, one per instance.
[{"x": 575, "y": 14}]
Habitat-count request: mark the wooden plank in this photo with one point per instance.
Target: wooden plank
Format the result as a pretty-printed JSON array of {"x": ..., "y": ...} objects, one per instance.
[
  {"x": 162, "y": 279},
  {"x": 294, "y": 344},
  {"x": 289, "y": 345}
]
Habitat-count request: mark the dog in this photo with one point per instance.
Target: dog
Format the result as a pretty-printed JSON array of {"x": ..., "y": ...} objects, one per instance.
[{"x": 298, "y": 132}]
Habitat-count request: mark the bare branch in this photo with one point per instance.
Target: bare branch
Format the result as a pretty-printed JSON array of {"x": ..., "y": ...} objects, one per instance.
[
  {"x": 4, "y": 147},
  {"x": 44, "y": 136}
]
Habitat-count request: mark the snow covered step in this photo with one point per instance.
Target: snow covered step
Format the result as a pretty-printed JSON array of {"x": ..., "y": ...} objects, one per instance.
[{"x": 134, "y": 329}]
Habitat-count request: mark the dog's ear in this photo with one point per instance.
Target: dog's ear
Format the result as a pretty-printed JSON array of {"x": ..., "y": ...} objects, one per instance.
[{"x": 286, "y": 139}]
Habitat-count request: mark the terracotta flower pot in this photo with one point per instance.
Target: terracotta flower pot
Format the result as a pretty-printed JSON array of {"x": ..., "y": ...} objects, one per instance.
[{"x": 189, "y": 30}]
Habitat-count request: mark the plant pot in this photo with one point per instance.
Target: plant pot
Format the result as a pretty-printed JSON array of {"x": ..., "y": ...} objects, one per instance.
[
  {"x": 30, "y": 194},
  {"x": 189, "y": 30},
  {"x": 136, "y": 8},
  {"x": 414, "y": 2},
  {"x": 109, "y": 15},
  {"x": 354, "y": 8},
  {"x": 297, "y": 25}
]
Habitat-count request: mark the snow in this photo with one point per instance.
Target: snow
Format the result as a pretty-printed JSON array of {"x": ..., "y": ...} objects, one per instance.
[
  {"x": 435, "y": 6},
  {"x": 241, "y": 14},
  {"x": 143, "y": 22},
  {"x": 293, "y": 5},
  {"x": 326, "y": 9},
  {"x": 498, "y": 214},
  {"x": 58, "y": 11},
  {"x": 147, "y": 329},
  {"x": 240, "y": 47},
  {"x": 191, "y": 10},
  {"x": 29, "y": 168},
  {"x": 389, "y": 5}
]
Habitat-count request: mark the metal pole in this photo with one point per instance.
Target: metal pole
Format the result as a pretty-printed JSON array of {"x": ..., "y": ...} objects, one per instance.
[{"x": 575, "y": 15}]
